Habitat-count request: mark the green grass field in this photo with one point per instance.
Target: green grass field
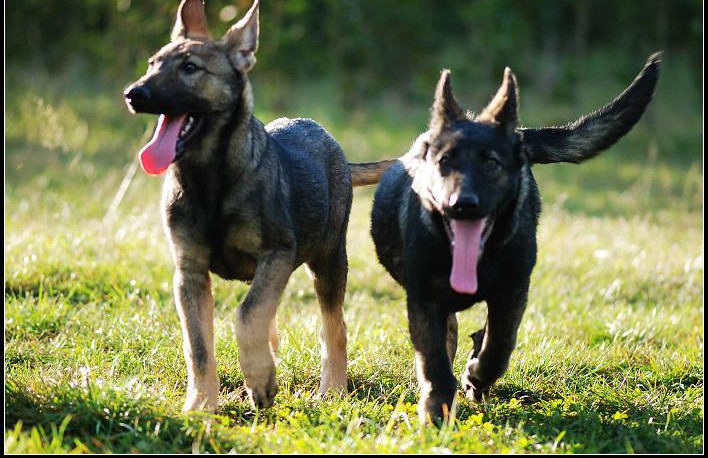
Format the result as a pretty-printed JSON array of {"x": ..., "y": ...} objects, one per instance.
[{"x": 610, "y": 352}]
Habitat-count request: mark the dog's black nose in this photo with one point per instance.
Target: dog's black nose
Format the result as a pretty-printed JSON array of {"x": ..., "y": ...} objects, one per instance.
[
  {"x": 137, "y": 93},
  {"x": 465, "y": 206}
]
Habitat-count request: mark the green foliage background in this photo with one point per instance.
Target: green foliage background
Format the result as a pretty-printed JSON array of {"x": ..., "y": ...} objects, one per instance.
[
  {"x": 372, "y": 46},
  {"x": 611, "y": 349}
]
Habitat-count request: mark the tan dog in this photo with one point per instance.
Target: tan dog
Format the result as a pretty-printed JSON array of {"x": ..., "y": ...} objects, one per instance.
[{"x": 244, "y": 201}]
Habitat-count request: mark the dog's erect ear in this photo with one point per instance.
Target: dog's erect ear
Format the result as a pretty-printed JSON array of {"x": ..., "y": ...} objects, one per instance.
[
  {"x": 191, "y": 21},
  {"x": 504, "y": 107},
  {"x": 242, "y": 40},
  {"x": 445, "y": 109}
]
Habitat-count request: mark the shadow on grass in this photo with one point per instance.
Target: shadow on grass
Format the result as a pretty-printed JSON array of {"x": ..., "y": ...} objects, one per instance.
[
  {"x": 600, "y": 425},
  {"x": 127, "y": 419},
  {"x": 103, "y": 420},
  {"x": 589, "y": 422},
  {"x": 123, "y": 421}
]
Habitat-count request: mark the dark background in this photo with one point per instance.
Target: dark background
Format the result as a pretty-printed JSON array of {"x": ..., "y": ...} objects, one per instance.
[{"x": 369, "y": 46}]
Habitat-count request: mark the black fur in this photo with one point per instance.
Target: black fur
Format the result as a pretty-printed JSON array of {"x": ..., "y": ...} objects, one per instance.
[
  {"x": 489, "y": 158},
  {"x": 588, "y": 136}
]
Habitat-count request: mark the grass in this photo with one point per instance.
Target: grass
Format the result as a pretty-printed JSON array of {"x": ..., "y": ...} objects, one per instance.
[{"x": 610, "y": 353}]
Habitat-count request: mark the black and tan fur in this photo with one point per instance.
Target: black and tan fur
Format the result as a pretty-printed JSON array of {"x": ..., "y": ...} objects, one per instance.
[
  {"x": 248, "y": 202},
  {"x": 485, "y": 163}
]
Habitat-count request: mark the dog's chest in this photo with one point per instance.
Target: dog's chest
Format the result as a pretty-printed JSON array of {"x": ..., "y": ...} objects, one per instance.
[
  {"x": 231, "y": 233},
  {"x": 233, "y": 249},
  {"x": 236, "y": 242}
]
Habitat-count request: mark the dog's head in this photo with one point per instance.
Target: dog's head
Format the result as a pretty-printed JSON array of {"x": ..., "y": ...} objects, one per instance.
[
  {"x": 192, "y": 78},
  {"x": 468, "y": 168}
]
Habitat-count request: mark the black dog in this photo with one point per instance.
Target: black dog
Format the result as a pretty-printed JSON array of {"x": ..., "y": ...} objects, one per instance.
[{"x": 454, "y": 222}]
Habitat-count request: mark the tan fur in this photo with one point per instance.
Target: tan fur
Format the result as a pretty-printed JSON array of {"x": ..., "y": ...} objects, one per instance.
[
  {"x": 274, "y": 340},
  {"x": 367, "y": 173},
  {"x": 194, "y": 300},
  {"x": 255, "y": 332},
  {"x": 333, "y": 338},
  {"x": 233, "y": 205},
  {"x": 195, "y": 307},
  {"x": 191, "y": 21}
]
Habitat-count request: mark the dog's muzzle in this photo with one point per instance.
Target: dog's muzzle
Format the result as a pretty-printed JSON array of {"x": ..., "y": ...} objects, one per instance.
[{"x": 139, "y": 99}]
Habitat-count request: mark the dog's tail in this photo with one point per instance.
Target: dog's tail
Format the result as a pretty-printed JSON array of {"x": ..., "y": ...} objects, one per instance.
[
  {"x": 365, "y": 173},
  {"x": 588, "y": 136}
]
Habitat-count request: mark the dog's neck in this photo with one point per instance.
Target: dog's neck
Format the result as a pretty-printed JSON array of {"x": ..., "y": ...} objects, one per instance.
[
  {"x": 229, "y": 144},
  {"x": 239, "y": 150}
]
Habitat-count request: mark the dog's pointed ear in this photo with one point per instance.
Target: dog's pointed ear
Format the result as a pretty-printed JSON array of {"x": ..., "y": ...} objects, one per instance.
[
  {"x": 191, "y": 21},
  {"x": 241, "y": 40},
  {"x": 503, "y": 110},
  {"x": 445, "y": 109}
]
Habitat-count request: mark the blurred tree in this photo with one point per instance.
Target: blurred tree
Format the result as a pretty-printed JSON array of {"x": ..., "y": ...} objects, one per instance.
[{"x": 367, "y": 46}]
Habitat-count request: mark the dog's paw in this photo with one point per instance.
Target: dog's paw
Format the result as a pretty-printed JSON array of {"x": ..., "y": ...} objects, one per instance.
[
  {"x": 259, "y": 374},
  {"x": 333, "y": 384},
  {"x": 263, "y": 396},
  {"x": 435, "y": 407},
  {"x": 196, "y": 403},
  {"x": 202, "y": 394},
  {"x": 474, "y": 390},
  {"x": 332, "y": 390}
]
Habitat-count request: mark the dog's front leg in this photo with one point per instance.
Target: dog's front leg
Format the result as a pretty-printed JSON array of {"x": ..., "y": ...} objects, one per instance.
[
  {"x": 429, "y": 331},
  {"x": 255, "y": 327},
  {"x": 494, "y": 345},
  {"x": 451, "y": 341},
  {"x": 195, "y": 306}
]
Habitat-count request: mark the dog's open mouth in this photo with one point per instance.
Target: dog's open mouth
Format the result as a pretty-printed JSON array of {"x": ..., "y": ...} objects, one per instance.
[
  {"x": 467, "y": 239},
  {"x": 168, "y": 143}
]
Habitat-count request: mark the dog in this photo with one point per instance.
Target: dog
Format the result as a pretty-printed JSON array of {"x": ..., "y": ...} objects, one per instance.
[
  {"x": 454, "y": 222},
  {"x": 244, "y": 201}
]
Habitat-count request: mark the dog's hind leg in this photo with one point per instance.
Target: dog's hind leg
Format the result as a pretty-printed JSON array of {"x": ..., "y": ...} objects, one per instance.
[
  {"x": 255, "y": 327},
  {"x": 493, "y": 345},
  {"x": 330, "y": 273}
]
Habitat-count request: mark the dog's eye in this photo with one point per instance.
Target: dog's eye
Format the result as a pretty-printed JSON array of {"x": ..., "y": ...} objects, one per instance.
[
  {"x": 151, "y": 62},
  {"x": 189, "y": 67}
]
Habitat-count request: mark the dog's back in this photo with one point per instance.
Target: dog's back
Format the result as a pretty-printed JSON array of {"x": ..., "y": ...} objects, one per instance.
[
  {"x": 317, "y": 172},
  {"x": 305, "y": 140}
]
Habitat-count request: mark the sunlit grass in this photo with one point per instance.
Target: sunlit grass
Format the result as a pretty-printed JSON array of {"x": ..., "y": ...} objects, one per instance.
[{"x": 610, "y": 353}]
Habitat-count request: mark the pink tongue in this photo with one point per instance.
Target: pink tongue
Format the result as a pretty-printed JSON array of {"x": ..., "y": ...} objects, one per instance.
[
  {"x": 465, "y": 254},
  {"x": 160, "y": 152}
]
